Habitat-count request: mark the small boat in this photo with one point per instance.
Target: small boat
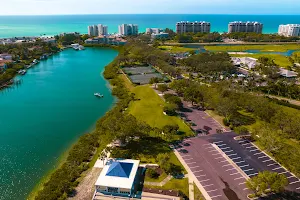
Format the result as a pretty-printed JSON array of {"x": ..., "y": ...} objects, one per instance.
[
  {"x": 81, "y": 47},
  {"x": 98, "y": 95},
  {"x": 22, "y": 72}
]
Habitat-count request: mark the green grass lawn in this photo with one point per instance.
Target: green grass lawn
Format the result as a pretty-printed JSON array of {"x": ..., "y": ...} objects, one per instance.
[
  {"x": 175, "y": 184},
  {"x": 197, "y": 194},
  {"x": 176, "y": 49},
  {"x": 265, "y": 48},
  {"x": 159, "y": 179},
  {"x": 280, "y": 60},
  {"x": 149, "y": 108}
]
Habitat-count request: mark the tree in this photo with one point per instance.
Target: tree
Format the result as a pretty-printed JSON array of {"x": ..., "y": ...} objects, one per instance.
[
  {"x": 162, "y": 88},
  {"x": 162, "y": 159},
  {"x": 266, "y": 182},
  {"x": 154, "y": 80}
]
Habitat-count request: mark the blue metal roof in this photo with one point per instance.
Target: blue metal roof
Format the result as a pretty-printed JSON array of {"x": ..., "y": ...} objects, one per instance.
[{"x": 119, "y": 169}]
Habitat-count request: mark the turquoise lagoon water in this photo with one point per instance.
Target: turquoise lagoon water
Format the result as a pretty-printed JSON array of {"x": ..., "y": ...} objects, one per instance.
[
  {"x": 11, "y": 26},
  {"x": 46, "y": 113}
]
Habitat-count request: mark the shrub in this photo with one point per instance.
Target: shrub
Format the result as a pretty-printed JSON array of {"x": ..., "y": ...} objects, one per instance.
[{"x": 152, "y": 173}]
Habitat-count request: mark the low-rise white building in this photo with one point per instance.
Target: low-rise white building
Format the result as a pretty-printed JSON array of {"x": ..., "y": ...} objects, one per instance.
[
  {"x": 117, "y": 178},
  {"x": 287, "y": 73},
  {"x": 245, "y": 62}
]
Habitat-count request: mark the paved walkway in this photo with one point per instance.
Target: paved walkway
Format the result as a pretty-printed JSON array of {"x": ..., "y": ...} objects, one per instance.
[
  {"x": 191, "y": 187},
  {"x": 162, "y": 183}
]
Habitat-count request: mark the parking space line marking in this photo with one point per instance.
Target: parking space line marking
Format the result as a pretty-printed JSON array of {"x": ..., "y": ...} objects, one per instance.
[
  {"x": 194, "y": 167},
  {"x": 235, "y": 158},
  {"x": 201, "y": 175},
  {"x": 249, "y": 147},
  {"x": 294, "y": 182},
  {"x": 190, "y": 163},
  {"x": 241, "y": 183},
  {"x": 218, "y": 142},
  {"x": 205, "y": 180},
  {"x": 239, "y": 162},
  {"x": 238, "y": 178},
  {"x": 185, "y": 155},
  {"x": 198, "y": 171},
  {"x": 234, "y": 154},
  {"x": 226, "y": 165},
  {"x": 212, "y": 190},
  {"x": 267, "y": 160},
  {"x": 207, "y": 185},
  {"x": 216, "y": 196},
  {"x": 215, "y": 154},
  {"x": 247, "y": 170},
  {"x": 253, "y": 174},
  {"x": 221, "y": 145},
  {"x": 223, "y": 161},
  {"x": 228, "y": 151},
  {"x": 234, "y": 173},
  {"x": 245, "y": 144},
  {"x": 209, "y": 147},
  {"x": 229, "y": 169},
  {"x": 219, "y": 157},
  {"x": 257, "y": 153},
  {"x": 189, "y": 159},
  {"x": 254, "y": 150},
  {"x": 272, "y": 164},
  {"x": 283, "y": 172},
  {"x": 225, "y": 148},
  {"x": 276, "y": 168},
  {"x": 245, "y": 189},
  {"x": 298, "y": 188},
  {"x": 290, "y": 177},
  {"x": 212, "y": 150},
  {"x": 262, "y": 157},
  {"x": 206, "y": 144},
  {"x": 245, "y": 165}
]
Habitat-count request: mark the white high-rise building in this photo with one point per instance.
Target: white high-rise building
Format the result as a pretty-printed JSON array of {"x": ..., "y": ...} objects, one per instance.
[
  {"x": 245, "y": 27},
  {"x": 128, "y": 29},
  {"x": 192, "y": 27},
  {"x": 93, "y": 30},
  {"x": 289, "y": 30},
  {"x": 102, "y": 30}
]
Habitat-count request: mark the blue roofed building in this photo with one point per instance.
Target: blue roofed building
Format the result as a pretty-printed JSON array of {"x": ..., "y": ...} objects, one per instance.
[{"x": 117, "y": 178}]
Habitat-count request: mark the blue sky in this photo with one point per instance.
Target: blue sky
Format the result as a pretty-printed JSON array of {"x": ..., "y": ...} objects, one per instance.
[{"x": 48, "y": 7}]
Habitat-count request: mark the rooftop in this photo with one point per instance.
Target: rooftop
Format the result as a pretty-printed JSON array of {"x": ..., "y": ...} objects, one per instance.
[{"x": 118, "y": 173}]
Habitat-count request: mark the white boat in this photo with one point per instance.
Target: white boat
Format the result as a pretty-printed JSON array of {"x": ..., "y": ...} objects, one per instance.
[
  {"x": 81, "y": 47},
  {"x": 98, "y": 95}
]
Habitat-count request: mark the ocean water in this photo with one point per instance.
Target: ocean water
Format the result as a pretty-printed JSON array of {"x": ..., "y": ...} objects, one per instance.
[
  {"x": 51, "y": 108},
  {"x": 12, "y": 26}
]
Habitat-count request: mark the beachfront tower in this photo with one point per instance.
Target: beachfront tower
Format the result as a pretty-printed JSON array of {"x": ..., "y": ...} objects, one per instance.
[
  {"x": 102, "y": 30},
  {"x": 289, "y": 30},
  {"x": 128, "y": 29},
  {"x": 245, "y": 27},
  {"x": 192, "y": 27}
]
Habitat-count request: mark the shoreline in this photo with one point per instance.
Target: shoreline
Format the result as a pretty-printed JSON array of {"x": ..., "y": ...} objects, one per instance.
[{"x": 63, "y": 157}]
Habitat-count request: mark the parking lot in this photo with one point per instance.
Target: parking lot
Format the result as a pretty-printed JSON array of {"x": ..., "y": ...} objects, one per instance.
[
  {"x": 220, "y": 179},
  {"x": 250, "y": 159}
]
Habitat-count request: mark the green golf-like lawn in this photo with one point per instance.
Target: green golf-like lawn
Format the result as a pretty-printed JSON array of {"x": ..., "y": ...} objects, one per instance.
[{"x": 149, "y": 108}]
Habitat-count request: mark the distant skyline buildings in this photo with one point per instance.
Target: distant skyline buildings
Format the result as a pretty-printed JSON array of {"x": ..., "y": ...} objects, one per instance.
[
  {"x": 192, "y": 27},
  {"x": 289, "y": 30},
  {"x": 245, "y": 27},
  {"x": 128, "y": 29},
  {"x": 153, "y": 30}
]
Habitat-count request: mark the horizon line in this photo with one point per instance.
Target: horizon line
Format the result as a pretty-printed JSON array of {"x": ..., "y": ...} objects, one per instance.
[{"x": 145, "y": 14}]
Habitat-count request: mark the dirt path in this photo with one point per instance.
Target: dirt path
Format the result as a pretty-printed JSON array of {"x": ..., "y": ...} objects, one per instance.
[{"x": 85, "y": 190}]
